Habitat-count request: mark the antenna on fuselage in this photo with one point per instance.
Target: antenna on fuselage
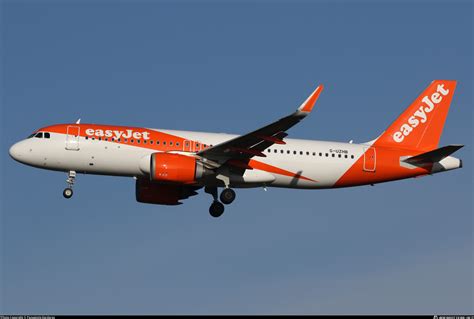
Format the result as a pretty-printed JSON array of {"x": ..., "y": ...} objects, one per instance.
[{"x": 78, "y": 121}]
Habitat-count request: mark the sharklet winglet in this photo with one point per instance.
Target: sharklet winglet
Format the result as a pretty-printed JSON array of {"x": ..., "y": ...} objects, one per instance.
[{"x": 308, "y": 105}]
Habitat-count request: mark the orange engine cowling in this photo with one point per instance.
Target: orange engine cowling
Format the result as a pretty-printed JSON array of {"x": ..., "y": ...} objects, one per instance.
[
  {"x": 175, "y": 168},
  {"x": 149, "y": 192}
]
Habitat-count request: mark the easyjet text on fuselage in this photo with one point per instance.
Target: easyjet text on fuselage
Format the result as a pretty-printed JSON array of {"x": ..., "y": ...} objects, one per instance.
[{"x": 118, "y": 133}]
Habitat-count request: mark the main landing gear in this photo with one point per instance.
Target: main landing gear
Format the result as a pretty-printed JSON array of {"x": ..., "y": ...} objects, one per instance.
[
  {"x": 227, "y": 196},
  {"x": 71, "y": 177},
  {"x": 217, "y": 208}
]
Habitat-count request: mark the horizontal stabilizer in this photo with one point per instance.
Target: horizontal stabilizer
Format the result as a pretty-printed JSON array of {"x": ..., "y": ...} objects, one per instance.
[{"x": 433, "y": 156}]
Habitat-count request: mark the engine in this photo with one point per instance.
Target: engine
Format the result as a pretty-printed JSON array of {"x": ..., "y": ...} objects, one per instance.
[
  {"x": 149, "y": 192},
  {"x": 176, "y": 168}
]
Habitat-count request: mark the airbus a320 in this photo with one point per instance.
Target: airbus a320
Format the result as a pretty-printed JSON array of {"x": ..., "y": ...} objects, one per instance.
[{"x": 170, "y": 166}]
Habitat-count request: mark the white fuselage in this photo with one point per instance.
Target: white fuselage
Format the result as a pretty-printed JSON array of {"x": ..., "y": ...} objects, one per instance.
[{"x": 302, "y": 157}]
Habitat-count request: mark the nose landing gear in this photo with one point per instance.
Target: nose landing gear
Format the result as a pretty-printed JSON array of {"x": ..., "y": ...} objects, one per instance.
[
  {"x": 217, "y": 208},
  {"x": 67, "y": 193},
  {"x": 71, "y": 177}
]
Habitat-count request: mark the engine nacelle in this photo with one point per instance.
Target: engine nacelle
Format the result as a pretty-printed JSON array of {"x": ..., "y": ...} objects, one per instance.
[
  {"x": 175, "y": 168},
  {"x": 149, "y": 192}
]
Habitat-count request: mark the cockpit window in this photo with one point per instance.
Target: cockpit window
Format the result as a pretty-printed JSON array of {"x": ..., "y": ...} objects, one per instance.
[{"x": 40, "y": 135}]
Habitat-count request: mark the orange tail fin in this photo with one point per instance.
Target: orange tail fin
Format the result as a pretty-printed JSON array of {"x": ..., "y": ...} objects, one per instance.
[{"x": 421, "y": 124}]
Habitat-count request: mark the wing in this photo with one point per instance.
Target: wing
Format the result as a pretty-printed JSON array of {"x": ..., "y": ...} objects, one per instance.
[{"x": 240, "y": 150}]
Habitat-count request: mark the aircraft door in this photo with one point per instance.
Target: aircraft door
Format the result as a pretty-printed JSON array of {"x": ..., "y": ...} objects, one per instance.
[
  {"x": 369, "y": 159},
  {"x": 192, "y": 146},
  {"x": 72, "y": 138}
]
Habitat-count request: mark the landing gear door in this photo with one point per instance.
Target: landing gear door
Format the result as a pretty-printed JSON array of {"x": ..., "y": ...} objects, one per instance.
[
  {"x": 72, "y": 138},
  {"x": 369, "y": 159}
]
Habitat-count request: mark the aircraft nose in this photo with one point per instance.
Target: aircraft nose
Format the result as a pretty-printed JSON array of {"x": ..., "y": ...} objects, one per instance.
[{"x": 15, "y": 151}]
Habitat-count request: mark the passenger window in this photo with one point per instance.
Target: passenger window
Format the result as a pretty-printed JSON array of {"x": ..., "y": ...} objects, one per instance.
[
  {"x": 39, "y": 135},
  {"x": 157, "y": 142},
  {"x": 138, "y": 141},
  {"x": 301, "y": 152},
  {"x": 125, "y": 140},
  {"x": 144, "y": 142},
  {"x": 327, "y": 154},
  {"x": 46, "y": 135},
  {"x": 177, "y": 144},
  {"x": 100, "y": 139},
  {"x": 294, "y": 152},
  {"x": 171, "y": 143},
  {"x": 269, "y": 150},
  {"x": 307, "y": 153},
  {"x": 345, "y": 156},
  {"x": 352, "y": 156},
  {"x": 275, "y": 151},
  {"x": 288, "y": 152},
  {"x": 164, "y": 142},
  {"x": 339, "y": 155},
  {"x": 151, "y": 142},
  {"x": 282, "y": 151},
  {"x": 320, "y": 154},
  {"x": 333, "y": 155},
  {"x": 87, "y": 137},
  {"x": 131, "y": 141},
  {"x": 314, "y": 153}
]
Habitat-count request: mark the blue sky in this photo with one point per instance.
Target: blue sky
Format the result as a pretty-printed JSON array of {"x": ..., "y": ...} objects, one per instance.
[{"x": 401, "y": 247}]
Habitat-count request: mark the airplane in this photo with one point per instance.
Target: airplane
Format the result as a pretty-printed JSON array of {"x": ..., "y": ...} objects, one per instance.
[{"x": 170, "y": 166}]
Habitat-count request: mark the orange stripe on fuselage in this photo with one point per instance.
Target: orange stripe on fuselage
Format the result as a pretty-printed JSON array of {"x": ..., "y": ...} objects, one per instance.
[
  {"x": 167, "y": 142},
  {"x": 273, "y": 169}
]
